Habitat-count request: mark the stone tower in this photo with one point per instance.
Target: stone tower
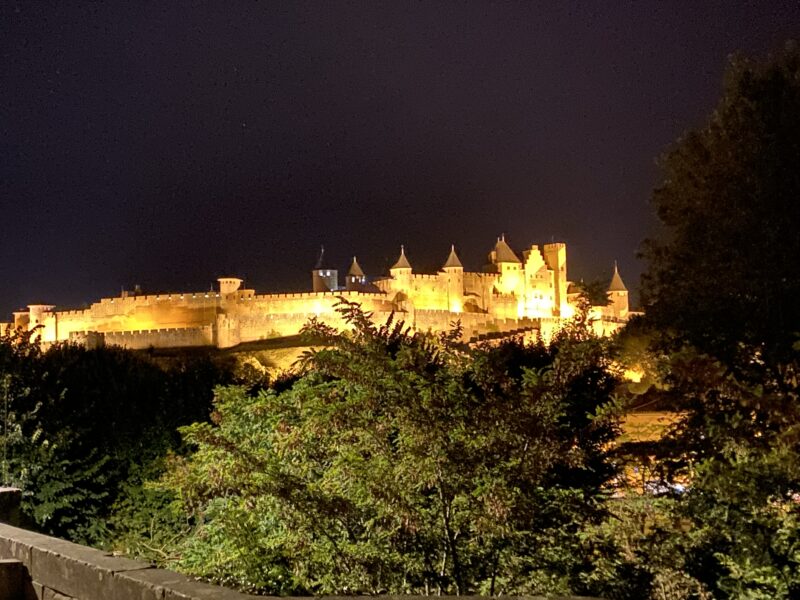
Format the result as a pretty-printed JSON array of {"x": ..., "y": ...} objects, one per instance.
[
  {"x": 555, "y": 256},
  {"x": 355, "y": 279},
  {"x": 41, "y": 316},
  {"x": 323, "y": 277},
  {"x": 508, "y": 265},
  {"x": 453, "y": 273},
  {"x": 229, "y": 285},
  {"x": 401, "y": 270},
  {"x": 618, "y": 295}
]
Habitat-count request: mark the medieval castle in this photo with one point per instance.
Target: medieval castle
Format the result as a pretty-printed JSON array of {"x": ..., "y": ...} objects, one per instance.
[{"x": 516, "y": 293}]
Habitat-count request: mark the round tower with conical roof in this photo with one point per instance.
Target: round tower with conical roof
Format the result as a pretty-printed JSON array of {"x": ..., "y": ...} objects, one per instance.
[
  {"x": 618, "y": 295},
  {"x": 324, "y": 278},
  {"x": 355, "y": 279},
  {"x": 401, "y": 268},
  {"x": 453, "y": 274}
]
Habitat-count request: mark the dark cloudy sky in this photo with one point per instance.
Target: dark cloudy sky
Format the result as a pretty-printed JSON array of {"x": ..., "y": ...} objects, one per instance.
[{"x": 167, "y": 143}]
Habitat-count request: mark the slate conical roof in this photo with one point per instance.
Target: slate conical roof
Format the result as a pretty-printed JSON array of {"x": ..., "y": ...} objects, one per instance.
[
  {"x": 503, "y": 252},
  {"x": 402, "y": 262},
  {"x": 355, "y": 269},
  {"x": 452, "y": 260},
  {"x": 616, "y": 284},
  {"x": 321, "y": 262}
]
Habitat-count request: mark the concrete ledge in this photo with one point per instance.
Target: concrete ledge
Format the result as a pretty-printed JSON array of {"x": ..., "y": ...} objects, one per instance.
[
  {"x": 54, "y": 569},
  {"x": 170, "y": 585},
  {"x": 78, "y": 571}
]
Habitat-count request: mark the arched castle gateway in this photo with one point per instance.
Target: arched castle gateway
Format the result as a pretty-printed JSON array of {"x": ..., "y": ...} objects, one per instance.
[{"x": 527, "y": 292}]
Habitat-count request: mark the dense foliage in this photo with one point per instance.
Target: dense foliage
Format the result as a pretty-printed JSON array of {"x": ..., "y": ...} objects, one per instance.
[
  {"x": 594, "y": 291},
  {"x": 81, "y": 426},
  {"x": 724, "y": 276},
  {"x": 405, "y": 463},
  {"x": 721, "y": 302},
  {"x": 724, "y": 517}
]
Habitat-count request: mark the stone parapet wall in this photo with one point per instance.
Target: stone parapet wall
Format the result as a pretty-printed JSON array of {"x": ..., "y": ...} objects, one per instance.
[
  {"x": 39, "y": 567},
  {"x": 162, "y": 338},
  {"x": 308, "y": 303},
  {"x": 352, "y": 295},
  {"x": 442, "y": 320}
]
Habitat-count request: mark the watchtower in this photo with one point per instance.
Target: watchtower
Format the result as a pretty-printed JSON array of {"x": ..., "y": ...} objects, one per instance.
[{"x": 324, "y": 278}]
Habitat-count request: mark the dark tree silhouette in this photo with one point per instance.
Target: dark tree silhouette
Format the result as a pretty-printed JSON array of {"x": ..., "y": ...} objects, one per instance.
[{"x": 725, "y": 276}]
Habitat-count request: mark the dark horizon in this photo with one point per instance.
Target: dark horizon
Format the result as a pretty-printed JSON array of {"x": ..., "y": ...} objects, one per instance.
[{"x": 168, "y": 145}]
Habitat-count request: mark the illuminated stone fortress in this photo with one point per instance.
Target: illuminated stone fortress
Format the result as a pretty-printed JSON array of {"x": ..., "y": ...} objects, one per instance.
[{"x": 527, "y": 293}]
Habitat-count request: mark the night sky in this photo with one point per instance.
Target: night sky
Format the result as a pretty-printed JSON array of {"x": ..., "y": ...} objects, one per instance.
[{"x": 166, "y": 144}]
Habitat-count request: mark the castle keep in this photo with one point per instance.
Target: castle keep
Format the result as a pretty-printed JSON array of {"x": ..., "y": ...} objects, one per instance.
[{"x": 527, "y": 292}]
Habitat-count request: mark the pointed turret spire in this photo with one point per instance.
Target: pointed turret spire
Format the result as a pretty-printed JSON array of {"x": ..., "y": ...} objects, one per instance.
[
  {"x": 452, "y": 260},
  {"x": 321, "y": 260},
  {"x": 355, "y": 269},
  {"x": 402, "y": 262},
  {"x": 616, "y": 284}
]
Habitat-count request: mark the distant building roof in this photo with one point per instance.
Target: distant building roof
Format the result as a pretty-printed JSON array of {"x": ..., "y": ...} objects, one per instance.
[
  {"x": 503, "y": 252},
  {"x": 452, "y": 259},
  {"x": 402, "y": 262},
  {"x": 355, "y": 269},
  {"x": 616, "y": 284}
]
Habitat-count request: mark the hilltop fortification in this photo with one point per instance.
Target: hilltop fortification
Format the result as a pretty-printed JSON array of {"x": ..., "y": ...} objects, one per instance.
[{"x": 527, "y": 292}]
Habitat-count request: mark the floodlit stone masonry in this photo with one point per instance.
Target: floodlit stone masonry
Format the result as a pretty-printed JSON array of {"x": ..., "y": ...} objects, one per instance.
[{"x": 526, "y": 292}]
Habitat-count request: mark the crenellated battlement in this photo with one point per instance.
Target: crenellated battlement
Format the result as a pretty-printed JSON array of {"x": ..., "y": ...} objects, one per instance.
[
  {"x": 73, "y": 313},
  {"x": 347, "y": 294},
  {"x": 432, "y": 277},
  {"x": 163, "y": 330},
  {"x": 145, "y": 299}
]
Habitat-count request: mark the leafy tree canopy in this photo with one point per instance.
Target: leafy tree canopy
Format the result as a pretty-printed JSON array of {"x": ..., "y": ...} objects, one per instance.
[
  {"x": 80, "y": 425},
  {"x": 594, "y": 291},
  {"x": 736, "y": 450},
  {"x": 724, "y": 276},
  {"x": 405, "y": 463}
]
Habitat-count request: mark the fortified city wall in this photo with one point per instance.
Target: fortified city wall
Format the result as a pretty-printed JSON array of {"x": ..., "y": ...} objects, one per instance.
[{"x": 513, "y": 294}]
